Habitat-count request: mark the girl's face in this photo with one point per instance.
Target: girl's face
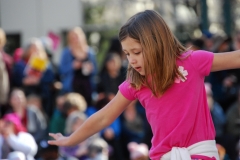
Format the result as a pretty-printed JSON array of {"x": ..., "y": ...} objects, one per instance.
[{"x": 133, "y": 51}]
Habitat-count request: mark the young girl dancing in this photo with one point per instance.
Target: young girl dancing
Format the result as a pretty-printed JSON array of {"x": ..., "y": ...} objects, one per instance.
[{"x": 168, "y": 80}]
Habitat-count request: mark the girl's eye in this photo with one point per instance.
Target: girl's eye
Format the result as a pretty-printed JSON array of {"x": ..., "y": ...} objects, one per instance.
[
  {"x": 127, "y": 54},
  {"x": 138, "y": 53}
]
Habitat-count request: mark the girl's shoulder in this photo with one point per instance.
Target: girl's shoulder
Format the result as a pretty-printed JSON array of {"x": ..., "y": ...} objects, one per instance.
[
  {"x": 127, "y": 90},
  {"x": 200, "y": 60},
  {"x": 126, "y": 84},
  {"x": 196, "y": 55}
]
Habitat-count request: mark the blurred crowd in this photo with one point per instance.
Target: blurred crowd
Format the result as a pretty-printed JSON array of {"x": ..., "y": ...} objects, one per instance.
[{"x": 37, "y": 97}]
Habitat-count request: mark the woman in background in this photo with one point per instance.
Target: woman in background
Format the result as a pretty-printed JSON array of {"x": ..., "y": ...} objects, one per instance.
[{"x": 78, "y": 65}]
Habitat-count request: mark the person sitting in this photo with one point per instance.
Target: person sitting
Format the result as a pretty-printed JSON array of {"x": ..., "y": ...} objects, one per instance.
[{"x": 14, "y": 137}]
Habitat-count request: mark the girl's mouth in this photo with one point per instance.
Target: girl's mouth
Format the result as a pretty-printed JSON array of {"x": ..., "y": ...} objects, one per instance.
[{"x": 138, "y": 69}]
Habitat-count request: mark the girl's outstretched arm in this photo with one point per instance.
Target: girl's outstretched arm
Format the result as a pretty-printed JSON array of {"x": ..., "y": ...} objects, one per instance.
[
  {"x": 93, "y": 124},
  {"x": 226, "y": 60}
]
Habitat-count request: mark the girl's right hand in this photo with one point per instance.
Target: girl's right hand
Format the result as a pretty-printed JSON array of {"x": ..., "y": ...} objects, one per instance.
[{"x": 59, "y": 139}]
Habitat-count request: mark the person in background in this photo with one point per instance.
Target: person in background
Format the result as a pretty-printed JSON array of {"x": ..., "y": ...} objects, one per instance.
[
  {"x": 195, "y": 44},
  {"x": 78, "y": 66},
  {"x": 73, "y": 104},
  {"x": 15, "y": 138},
  {"x": 58, "y": 119},
  {"x": 233, "y": 116},
  {"x": 92, "y": 148},
  {"x": 17, "y": 54},
  {"x": 37, "y": 126},
  {"x": 224, "y": 83},
  {"x": 6, "y": 63},
  {"x": 30, "y": 115},
  {"x": 34, "y": 74},
  {"x": 208, "y": 40},
  {"x": 79, "y": 151},
  {"x": 218, "y": 115},
  {"x": 7, "y": 58},
  {"x": 236, "y": 46},
  {"x": 115, "y": 47},
  {"x": 18, "y": 104},
  {"x": 133, "y": 127},
  {"x": 233, "y": 127},
  {"x": 110, "y": 77},
  {"x": 74, "y": 108},
  {"x": 112, "y": 133},
  {"x": 4, "y": 85}
]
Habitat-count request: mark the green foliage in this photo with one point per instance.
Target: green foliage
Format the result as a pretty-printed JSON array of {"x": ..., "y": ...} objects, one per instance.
[{"x": 93, "y": 15}]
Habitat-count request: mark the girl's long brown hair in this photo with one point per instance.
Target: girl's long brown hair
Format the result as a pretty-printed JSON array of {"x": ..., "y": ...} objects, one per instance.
[{"x": 160, "y": 49}]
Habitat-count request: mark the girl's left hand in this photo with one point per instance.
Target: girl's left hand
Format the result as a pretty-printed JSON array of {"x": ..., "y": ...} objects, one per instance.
[{"x": 59, "y": 139}]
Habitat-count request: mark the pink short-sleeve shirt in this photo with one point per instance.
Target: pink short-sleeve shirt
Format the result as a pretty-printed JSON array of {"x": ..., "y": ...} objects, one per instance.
[{"x": 180, "y": 117}]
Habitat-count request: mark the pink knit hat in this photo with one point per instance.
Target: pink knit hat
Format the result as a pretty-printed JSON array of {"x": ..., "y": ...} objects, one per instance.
[{"x": 14, "y": 118}]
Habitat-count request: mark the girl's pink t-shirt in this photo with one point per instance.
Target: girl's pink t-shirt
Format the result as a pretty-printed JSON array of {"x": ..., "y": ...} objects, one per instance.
[{"x": 180, "y": 117}]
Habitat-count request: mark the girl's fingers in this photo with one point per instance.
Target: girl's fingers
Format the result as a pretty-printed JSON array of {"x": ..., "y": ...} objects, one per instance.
[
  {"x": 55, "y": 136},
  {"x": 52, "y": 142},
  {"x": 52, "y": 135}
]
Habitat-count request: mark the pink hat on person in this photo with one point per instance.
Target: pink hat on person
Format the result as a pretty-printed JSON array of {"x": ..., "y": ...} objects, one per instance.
[{"x": 14, "y": 118}]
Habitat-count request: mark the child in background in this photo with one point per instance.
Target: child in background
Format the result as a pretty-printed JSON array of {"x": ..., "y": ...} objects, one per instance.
[
  {"x": 57, "y": 121},
  {"x": 79, "y": 150},
  {"x": 168, "y": 80},
  {"x": 38, "y": 122},
  {"x": 74, "y": 108},
  {"x": 14, "y": 137}
]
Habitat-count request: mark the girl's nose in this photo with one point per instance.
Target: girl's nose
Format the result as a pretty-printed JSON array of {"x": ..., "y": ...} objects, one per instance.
[{"x": 133, "y": 60}]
